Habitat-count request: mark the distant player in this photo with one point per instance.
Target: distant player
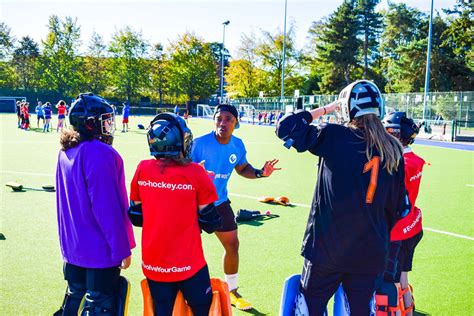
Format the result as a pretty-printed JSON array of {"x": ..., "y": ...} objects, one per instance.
[
  {"x": 221, "y": 153},
  {"x": 358, "y": 197},
  {"x": 169, "y": 190},
  {"x": 61, "y": 106},
  {"x": 47, "y": 116},
  {"x": 408, "y": 229},
  {"x": 39, "y": 113},
  {"x": 125, "y": 115}
]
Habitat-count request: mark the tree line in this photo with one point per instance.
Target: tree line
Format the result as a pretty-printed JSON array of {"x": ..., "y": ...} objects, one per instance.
[{"x": 355, "y": 41}]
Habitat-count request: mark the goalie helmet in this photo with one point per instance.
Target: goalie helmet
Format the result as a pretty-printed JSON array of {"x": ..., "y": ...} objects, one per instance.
[
  {"x": 93, "y": 116},
  {"x": 402, "y": 127},
  {"x": 169, "y": 137},
  {"x": 360, "y": 98}
]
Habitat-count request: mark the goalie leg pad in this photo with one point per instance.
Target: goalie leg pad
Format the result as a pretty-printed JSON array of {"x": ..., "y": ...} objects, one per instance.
[{"x": 387, "y": 299}]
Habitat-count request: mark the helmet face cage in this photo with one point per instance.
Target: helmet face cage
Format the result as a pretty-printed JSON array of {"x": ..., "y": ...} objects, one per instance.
[
  {"x": 169, "y": 137},
  {"x": 93, "y": 116},
  {"x": 360, "y": 98},
  {"x": 402, "y": 127}
]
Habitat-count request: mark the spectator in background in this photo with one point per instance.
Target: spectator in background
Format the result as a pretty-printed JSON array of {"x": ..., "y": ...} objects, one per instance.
[
  {"x": 47, "y": 116},
  {"x": 270, "y": 119},
  {"x": 61, "y": 106},
  {"x": 176, "y": 110},
  {"x": 39, "y": 113},
  {"x": 125, "y": 115}
]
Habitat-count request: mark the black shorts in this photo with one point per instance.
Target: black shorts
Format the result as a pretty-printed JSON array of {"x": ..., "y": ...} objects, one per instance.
[
  {"x": 407, "y": 250},
  {"x": 228, "y": 217},
  {"x": 196, "y": 290}
]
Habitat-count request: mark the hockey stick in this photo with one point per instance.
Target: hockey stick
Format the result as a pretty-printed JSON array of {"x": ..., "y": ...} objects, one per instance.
[{"x": 17, "y": 187}]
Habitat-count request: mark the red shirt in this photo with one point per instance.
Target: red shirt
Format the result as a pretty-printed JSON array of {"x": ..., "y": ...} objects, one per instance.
[
  {"x": 410, "y": 225},
  {"x": 61, "y": 109},
  {"x": 171, "y": 238}
]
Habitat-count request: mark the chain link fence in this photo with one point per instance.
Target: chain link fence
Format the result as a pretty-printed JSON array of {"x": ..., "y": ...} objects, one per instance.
[{"x": 446, "y": 106}]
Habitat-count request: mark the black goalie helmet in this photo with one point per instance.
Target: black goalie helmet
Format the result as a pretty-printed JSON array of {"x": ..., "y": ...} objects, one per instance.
[
  {"x": 402, "y": 127},
  {"x": 169, "y": 137},
  {"x": 360, "y": 98},
  {"x": 93, "y": 116}
]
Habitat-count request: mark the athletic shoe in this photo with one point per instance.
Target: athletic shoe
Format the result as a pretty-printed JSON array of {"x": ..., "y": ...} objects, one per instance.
[{"x": 238, "y": 301}]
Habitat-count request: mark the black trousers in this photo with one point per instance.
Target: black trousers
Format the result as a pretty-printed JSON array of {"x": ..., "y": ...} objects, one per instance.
[
  {"x": 196, "y": 290},
  {"x": 320, "y": 284},
  {"x": 99, "y": 286}
]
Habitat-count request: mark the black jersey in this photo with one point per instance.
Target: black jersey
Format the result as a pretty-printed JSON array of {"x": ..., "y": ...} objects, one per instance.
[{"x": 356, "y": 201}]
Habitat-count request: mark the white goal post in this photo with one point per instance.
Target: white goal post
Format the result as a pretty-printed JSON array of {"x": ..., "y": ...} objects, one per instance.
[{"x": 205, "y": 111}]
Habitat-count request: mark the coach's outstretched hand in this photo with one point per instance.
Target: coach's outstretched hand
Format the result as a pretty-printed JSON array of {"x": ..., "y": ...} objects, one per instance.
[{"x": 269, "y": 167}]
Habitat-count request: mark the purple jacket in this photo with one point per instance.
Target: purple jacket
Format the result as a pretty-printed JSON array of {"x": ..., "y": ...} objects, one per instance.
[{"x": 92, "y": 202}]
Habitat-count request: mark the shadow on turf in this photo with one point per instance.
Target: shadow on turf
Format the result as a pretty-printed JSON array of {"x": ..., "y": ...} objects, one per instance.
[
  {"x": 255, "y": 311},
  {"x": 420, "y": 313},
  {"x": 256, "y": 222}
]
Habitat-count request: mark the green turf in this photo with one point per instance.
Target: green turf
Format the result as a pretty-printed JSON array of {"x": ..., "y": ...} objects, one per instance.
[{"x": 30, "y": 261}]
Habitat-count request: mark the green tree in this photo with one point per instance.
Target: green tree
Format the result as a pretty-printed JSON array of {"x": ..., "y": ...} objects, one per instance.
[
  {"x": 337, "y": 48},
  {"x": 96, "y": 76},
  {"x": 244, "y": 77},
  {"x": 159, "y": 80},
  {"x": 192, "y": 68},
  {"x": 8, "y": 76},
  {"x": 24, "y": 61},
  {"x": 403, "y": 47},
  {"x": 370, "y": 29},
  {"x": 128, "y": 66},
  {"x": 460, "y": 33},
  {"x": 60, "y": 65},
  {"x": 270, "y": 53}
]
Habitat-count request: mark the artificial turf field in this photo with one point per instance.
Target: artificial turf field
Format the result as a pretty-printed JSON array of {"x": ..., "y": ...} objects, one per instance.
[{"x": 31, "y": 280}]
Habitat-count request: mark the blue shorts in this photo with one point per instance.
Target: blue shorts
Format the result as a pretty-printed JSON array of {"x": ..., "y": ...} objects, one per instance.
[{"x": 61, "y": 116}]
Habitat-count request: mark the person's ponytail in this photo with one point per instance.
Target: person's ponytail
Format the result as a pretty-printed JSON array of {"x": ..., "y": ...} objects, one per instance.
[{"x": 375, "y": 136}]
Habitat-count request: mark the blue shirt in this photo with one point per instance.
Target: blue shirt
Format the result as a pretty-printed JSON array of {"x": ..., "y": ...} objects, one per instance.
[
  {"x": 47, "y": 111},
  {"x": 126, "y": 111},
  {"x": 39, "y": 110},
  {"x": 220, "y": 159}
]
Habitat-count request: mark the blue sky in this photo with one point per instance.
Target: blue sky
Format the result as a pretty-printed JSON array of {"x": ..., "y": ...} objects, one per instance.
[{"x": 164, "y": 20}]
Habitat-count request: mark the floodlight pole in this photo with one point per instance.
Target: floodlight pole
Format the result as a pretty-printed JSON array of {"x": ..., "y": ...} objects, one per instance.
[
  {"x": 428, "y": 55},
  {"x": 222, "y": 60},
  {"x": 282, "y": 96}
]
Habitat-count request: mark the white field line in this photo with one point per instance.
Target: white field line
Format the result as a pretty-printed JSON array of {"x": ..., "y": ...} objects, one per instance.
[
  {"x": 470, "y": 185},
  {"x": 424, "y": 228},
  {"x": 254, "y": 198}
]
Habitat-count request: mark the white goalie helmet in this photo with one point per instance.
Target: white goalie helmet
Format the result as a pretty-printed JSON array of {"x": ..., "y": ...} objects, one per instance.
[{"x": 360, "y": 98}]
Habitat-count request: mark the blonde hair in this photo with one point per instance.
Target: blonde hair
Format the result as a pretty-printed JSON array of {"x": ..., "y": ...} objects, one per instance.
[{"x": 375, "y": 135}]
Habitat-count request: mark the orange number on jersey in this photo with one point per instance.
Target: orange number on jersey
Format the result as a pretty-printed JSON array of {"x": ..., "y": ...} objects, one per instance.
[{"x": 372, "y": 164}]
